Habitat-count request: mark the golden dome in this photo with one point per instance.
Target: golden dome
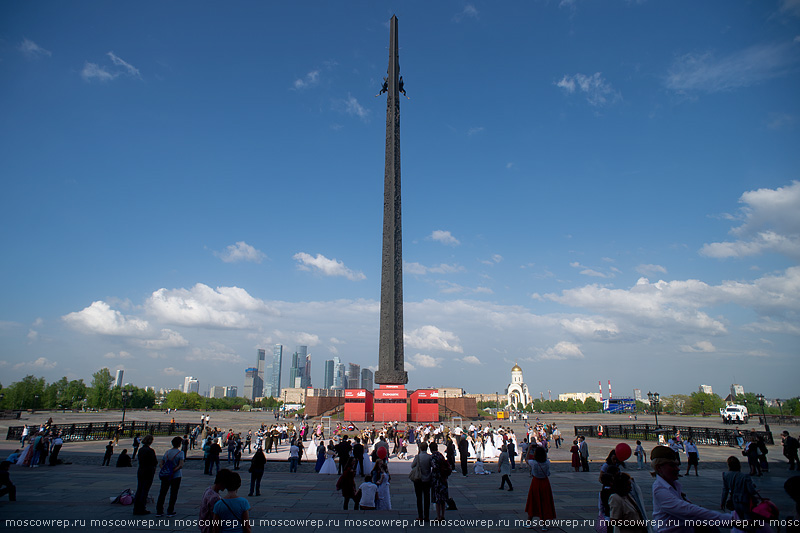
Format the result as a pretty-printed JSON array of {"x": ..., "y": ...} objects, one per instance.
[{"x": 516, "y": 368}]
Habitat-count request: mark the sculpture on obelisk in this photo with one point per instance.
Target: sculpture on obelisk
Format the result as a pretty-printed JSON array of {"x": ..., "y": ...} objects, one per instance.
[{"x": 391, "y": 367}]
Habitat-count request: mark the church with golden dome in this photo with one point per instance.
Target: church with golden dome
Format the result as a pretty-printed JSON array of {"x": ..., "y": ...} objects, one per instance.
[{"x": 517, "y": 391}]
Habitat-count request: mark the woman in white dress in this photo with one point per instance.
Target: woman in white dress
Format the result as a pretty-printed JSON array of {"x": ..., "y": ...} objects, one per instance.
[
  {"x": 471, "y": 447},
  {"x": 479, "y": 449},
  {"x": 384, "y": 502},
  {"x": 367, "y": 462},
  {"x": 329, "y": 466},
  {"x": 489, "y": 451}
]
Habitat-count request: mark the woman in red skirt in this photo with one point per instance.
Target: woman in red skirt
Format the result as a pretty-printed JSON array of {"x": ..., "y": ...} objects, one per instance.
[
  {"x": 540, "y": 496},
  {"x": 576, "y": 455}
]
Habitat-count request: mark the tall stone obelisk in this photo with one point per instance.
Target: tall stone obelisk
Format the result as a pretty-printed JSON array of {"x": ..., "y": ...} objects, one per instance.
[{"x": 391, "y": 368}]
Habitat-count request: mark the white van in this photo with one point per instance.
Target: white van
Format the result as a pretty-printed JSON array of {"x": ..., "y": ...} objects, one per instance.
[{"x": 734, "y": 414}]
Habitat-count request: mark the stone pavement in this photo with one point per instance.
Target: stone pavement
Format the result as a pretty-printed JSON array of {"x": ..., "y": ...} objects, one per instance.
[{"x": 307, "y": 501}]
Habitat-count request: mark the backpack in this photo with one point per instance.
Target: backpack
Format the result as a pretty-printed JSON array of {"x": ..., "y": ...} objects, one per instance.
[{"x": 168, "y": 470}]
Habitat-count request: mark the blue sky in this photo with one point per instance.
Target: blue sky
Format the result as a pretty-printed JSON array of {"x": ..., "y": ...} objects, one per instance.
[{"x": 595, "y": 190}]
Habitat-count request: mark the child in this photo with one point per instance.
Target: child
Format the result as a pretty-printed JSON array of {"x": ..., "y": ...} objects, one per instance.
[
  {"x": 232, "y": 511},
  {"x": 369, "y": 492},
  {"x": 210, "y": 498}
]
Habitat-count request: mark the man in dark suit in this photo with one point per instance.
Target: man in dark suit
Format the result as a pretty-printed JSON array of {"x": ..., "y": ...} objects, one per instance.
[
  {"x": 512, "y": 452},
  {"x": 343, "y": 450},
  {"x": 463, "y": 451},
  {"x": 583, "y": 450},
  {"x": 358, "y": 455}
]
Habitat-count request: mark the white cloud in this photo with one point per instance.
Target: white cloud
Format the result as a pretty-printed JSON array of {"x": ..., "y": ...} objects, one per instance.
[
  {"x": 326, "y": 267},
  {"x": 31, "y": 50},
  {"x": 171, "y": 371},
  {"x": 93, "y": 71},
  {"x": 121, "y": 355},
  {"x": 771, "y": 223},
  {"x": 42, "y": 363},
  {"x": 407, "y": 366},
  {"x": 703, "y": 72},
  {"x": 589, "y": 271},
  {"x": 444, "y": 237},
  {"x": 420, "y": 270},
  {"x": 649, "y": 270},
  {"x": 33, "y": 335},
  {"x": 215, "y": 353},
  {"x": 433, "y": 338},
  {"x": 699, "y": 347},
  {"x": 130, "y": 69},
  {"x": 241, "y": 251},
  {"x": 426, "y": 361},
  {"x": 474, "y": 130},
  {"x": 496, "y": 258},
  {"x": 353, "y": 107},
  {"x": 223, "y": 307},
  {"x": 469, "y": 11},
  {"x": 309, "y": 80},
  {"x": 168, "y": 339},
  {"x": 597, "y": 91},
  {"x": 590, "y": 327},
  {"x": 562, "y": 351},
  {"x": 472, "y": 360},
  {"x": 101, "y": 319}
]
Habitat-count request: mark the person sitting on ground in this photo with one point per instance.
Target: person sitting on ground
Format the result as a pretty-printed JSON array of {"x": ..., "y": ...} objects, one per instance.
[{"x": 124, "y": 459}]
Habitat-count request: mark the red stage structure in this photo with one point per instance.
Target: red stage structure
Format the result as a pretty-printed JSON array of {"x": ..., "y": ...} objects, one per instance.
[
  {"x": 358, "y": 405},
  {"x": 391, "y": 403},
  {"x": 425, "y": 405}
]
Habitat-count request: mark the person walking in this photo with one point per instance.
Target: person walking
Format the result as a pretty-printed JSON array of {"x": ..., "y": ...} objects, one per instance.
[
  {"x": 108, "y": 454},
  {"x": 440, "y": 471},
  {"x": 347, "y": 484},
  {"x": 170, "y": 475},
  {"x": 144, "y": 475},
  {"x": 790, "y": 447},
  {"x": 640, "y": 455},
  {"x": 693, "y": 456},
  {"x": 540, "y": 502},
  {"x": 422, "y": 488},
  {"x": 257, "y": 471},
  {"x": 504, "y": 468},
  {"x": 294, "y": 457}
]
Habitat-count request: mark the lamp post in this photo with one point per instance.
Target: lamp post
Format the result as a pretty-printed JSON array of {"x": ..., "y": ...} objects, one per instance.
[
  {"x": 760, "y": 398},
  {"x": 654, "y": 398},
  {"x": 780, "y": 408},
  {"x": 126, "y": 396},
  {"x": 284, "y": 404}
]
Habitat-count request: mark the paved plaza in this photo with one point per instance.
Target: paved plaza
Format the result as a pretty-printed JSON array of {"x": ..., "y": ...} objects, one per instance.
[{"x": 307, "y": 501}]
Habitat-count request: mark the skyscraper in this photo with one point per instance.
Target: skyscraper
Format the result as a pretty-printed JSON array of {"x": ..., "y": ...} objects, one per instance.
[
  {"x": 300, "y": 373},
  {"x": 366, "y": 379},
  {"x": 328, "y": 378},
  {"x": 261, "y": 363},
  {"x": 307, "y": 373},
  {"x": 277, "y": 368},
  {"x": 353, "y": 375},
  {"x": 250, "y": 385},
  {"x": 339, "y": 377},
  {"x": 118, "y": 380},
  {"x": 231, "y": 392},
  {"x": 190, "y": 385}
]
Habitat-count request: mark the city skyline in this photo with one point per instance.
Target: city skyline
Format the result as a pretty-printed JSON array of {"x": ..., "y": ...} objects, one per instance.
[{"x": 593, "y": 191}]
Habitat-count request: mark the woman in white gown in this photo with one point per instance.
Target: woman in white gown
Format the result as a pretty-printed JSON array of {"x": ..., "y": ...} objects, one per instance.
[
  {"x": 329, "y": 466},
  {"x": 384, "y": 502},
  {"x": 367, "y": 463},
  {"x": 489, "y": 451},
  {"x": 479, "y": 449}
]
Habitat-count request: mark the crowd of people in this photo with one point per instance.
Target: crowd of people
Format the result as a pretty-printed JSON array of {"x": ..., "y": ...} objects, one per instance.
[{"x": 360, "y": 457}]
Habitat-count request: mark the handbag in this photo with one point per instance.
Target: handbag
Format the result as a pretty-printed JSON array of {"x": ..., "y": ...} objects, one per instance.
[{"x": 415, "y": 475}]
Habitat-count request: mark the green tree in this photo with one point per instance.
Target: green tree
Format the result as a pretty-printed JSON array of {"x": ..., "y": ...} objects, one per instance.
[
  {"x": 25, "y": 394},
  {"x": 99, "y": 395},
  {"x": 591, "y": 405},
  {"x": 711, "y": 403}
]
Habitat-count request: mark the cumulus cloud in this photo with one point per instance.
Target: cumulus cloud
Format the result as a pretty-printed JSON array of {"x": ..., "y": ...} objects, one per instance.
[
  {"x": 699, "y": 347},
  {"x": 168, "y": 339},
  {"x": 241, "y": 251},
  {"x": 562, "y": 351},
  {"x": 472, "y": 360},
  {"x": 597, "y": 91},
  {"x": 426, "y": 361},
  {"x": 590, "y": 327},
  {"x": 433, "y": 338},
  {"x": 326, "y": 267},
  {"x": 770, "y": 223},
  {"x": 31, "y": 50},
  {"x": 101, "y": 319},
  {"x": 407, "y": 366},
  {"x": 121, "y": 355},
  {"x": 444, "y": 237},
  {"x": 309, "y": 80},
  {"x": 223, "y": 307},
  {"x": 171, "y": 371},
  {"x": 704, "y": 72}
]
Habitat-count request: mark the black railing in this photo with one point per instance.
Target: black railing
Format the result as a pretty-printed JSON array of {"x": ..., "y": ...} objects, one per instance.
[
  {"x": 107, "y": 430},
  {"x": 10, "y": 414},
  {"x": 780, "y": 420},
  {"x": 710, "y": 436}
]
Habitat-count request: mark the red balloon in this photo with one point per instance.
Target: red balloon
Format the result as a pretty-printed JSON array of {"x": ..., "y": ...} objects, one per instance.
[
  {"x": 623, "y": 451},
  {"x": 382, "y": 452}
]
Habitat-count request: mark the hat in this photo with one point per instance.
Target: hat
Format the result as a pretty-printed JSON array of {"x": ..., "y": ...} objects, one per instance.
[
  {"x": 784, "y": 432},
  {"x": 663, "y": 452}
]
